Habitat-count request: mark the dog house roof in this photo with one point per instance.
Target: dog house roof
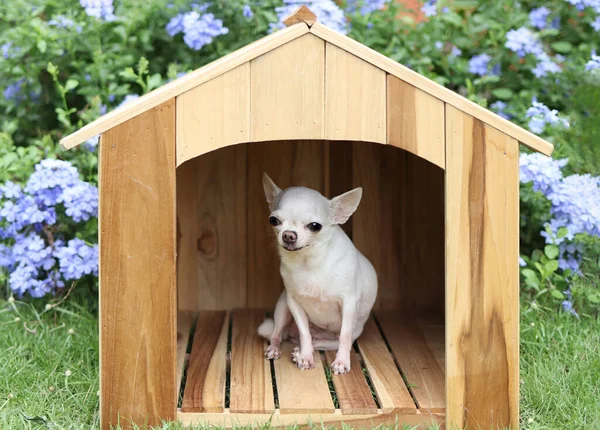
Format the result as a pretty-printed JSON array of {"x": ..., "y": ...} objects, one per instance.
[{"x": 303, "y": 21}]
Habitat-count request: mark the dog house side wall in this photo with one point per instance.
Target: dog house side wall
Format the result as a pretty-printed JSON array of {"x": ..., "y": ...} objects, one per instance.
[
  {"x": 137, "y": 270},
  {"x": 482, "y": 278}
]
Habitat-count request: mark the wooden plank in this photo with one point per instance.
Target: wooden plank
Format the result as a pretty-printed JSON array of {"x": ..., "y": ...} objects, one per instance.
[
  {"x": 184, "y": 326},
  {"x": 183, "y": 84},
  {"x": 205, "y": 392},
  {"x": 415, "y": 121},
  {"x": 251, "y": 385},
  {"x": 423, "y": 246},
  {"x": 436, "y": 90},
  {"x": 387, "y": 381},
  {"x": 355, "y": 107},
  {"x": 434, "y": 335},
  {"x": 335, "y": 420},
  {"x": 422, "y": 371},
  {"x": 287, "y": 87},
  {"x": 482, "y": 284},
  {"x": 287, "y": 163},
  {"x": 366, "y": 228},
  {"x": 298, "y": 391},
  {"x": 392, "y": 229},
  {"x": 187, "y": 237},
  {"x": 214, "y": 115},
  {"x": 137, "y": 270},
  {"x": 352, "y": 391},
  {"x": 221, "y": 258}
]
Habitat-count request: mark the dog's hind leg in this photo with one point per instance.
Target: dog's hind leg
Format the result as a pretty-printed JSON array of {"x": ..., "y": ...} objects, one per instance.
[{"x": 282, "y": 319}]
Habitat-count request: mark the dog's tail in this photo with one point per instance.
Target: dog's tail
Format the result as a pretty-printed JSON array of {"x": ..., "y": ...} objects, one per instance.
[{"x": 266, "y": 328}]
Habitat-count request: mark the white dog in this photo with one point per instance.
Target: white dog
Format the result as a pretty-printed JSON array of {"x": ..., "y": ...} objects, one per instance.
[{"x": 330, "y": 287}]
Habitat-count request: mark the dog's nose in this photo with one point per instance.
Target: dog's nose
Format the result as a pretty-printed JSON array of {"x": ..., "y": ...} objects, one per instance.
[{"x": 289, "y": 237}]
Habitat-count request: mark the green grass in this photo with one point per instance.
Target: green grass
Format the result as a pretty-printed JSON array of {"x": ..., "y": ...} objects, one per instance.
[
  {"x": 560, "y": 372},
  {"x": 37, "y": 351},
  {"x": 560, "y": 369}
]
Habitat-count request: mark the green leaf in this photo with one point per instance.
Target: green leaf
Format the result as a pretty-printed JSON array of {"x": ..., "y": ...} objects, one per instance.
[
  {"x": 551, "y": 251},
  {"x": 154, "y": 81},
  {"x": 503, "y": 93},
  {"x": 594, "y": 298},
  {"x": 562, "y": 47},
  {"x": 41, "y": 45},
  {"x": 529, "y": 274},
  {"x": 557, "y": 294},
  {"x": 452, "y": 18},
  {"x": 562, "y": 232},
  {"x": 52, "y": 69},
  {"x": 551, "y": 266},
  {"x": 71, "y": 84},
  {"x": 128, "y": 73}
]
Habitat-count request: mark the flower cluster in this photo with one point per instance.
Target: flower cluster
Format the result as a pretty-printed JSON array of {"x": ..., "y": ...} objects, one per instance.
[
  {"x": 366, "y": 6},
  {"x": 499, "y": 107},
  {"x": 34, "y": 252},
  {"x": 480, "y": 64},
  {"x": 328, "y": 11},
  {"x": 575, "y": 204},
  {"x": 541, "y": 116},
  {"x": 101, "y": 9},
  {"x": 198, "y": 28},
  {"x": 430, "y": 8},
  {"x": 593, "y": 63},
  {"x": 523, "y": 41},
  {"x": 62, "y": 21},
  {"x": 539, "y": 17}
]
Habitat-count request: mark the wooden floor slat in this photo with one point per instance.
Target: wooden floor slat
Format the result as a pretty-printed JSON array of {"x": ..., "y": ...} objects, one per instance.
[
  {"x": 251, "y": 385},
  {"x": 353, "y": 392},
  {"x": 301, "y": 391},
  {"x": 423, "y": 372},
  {"x": 205, "y": 383},
  {"x": 435, "y": 337},
  {"x": 387, "y": 381},
  {"x": 185, "y": 320}
]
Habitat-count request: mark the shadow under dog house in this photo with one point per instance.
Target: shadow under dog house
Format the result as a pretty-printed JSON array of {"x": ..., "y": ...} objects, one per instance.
[{"x": 188, "y": 265}]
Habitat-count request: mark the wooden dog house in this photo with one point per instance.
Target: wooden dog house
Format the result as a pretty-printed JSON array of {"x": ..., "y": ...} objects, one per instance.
[{"x": 188, "y": 265}]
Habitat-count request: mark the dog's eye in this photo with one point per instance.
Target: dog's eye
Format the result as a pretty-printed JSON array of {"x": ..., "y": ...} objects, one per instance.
[
  {"x": 314, "y": 226},
  {"x": 274, "y": 221}
]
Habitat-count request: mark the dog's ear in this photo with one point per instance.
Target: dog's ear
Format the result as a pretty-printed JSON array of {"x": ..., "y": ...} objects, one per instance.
[
  {"x": 271, "y": 190},
  {"x": 343, "y": 206}
]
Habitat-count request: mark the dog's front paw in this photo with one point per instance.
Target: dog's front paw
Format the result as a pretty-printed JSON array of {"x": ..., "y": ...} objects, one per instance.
[
  {"x": 303, "y": 362},
  {"x": 340, "y": 366},
  {"x": 272, "y": 352}
]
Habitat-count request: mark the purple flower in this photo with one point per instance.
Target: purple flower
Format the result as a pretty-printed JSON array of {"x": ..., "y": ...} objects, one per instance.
[
  {"x": 247, "y": 11},
  {"x": 101, "y": 9},
  {"x": 522, "y": 262},
  {"x": 92, "y": 143},
  {"x": 523, "y": 41},
  {"x": 545, "y": 66},
  {"x": 455, "y": 52},
  {"x": 439, "y": 45},
  {"x": 77, "y": 259},
  {"x": 498, "y": 107},
  {"x": 596, "y": 24},
  {"x": 568, "y": 307},
  {"x": 593, "y": 63},
  {"x": 175, "y": 25},
  {"x": 200, "y": 30},
  {"x": 6, "y": 50},
  {"x": 10, "y": 190},
  {"x": 582, "y": 4},
  {"x": 539, "y": 17},
  {"x": 429, "y": 8},
  {"x": 541, "y": 116},
  {"x": 81, "y": 201},
  {"x": 544, "y": 172},
  {"x": 12, "y": 92},
  {"x": 329, "y": 13},
  {"x": 62, "y": 21},
  {"x": 366, "y": 6},
  {"x": 479, "y": 64}
]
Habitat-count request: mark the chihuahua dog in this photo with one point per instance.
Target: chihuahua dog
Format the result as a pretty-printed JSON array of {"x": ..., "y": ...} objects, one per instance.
[{"x": 330, "y": 287}]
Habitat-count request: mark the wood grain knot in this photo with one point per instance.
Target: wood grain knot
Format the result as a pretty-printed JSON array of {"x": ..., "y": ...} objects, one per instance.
[{"x": 207, "y": 244}]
